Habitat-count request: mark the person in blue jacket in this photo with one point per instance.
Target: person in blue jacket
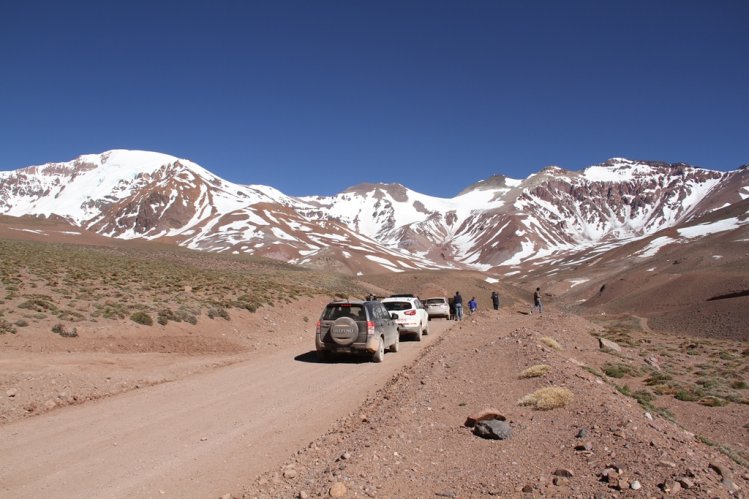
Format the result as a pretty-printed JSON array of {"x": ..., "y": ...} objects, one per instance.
[{"x": 472, "y": 305}]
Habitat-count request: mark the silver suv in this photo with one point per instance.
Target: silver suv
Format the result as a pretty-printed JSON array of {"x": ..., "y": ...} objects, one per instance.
[{"x": 356, "y": 327}]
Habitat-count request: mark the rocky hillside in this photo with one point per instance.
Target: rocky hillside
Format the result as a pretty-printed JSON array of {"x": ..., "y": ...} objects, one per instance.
[{"x": 587, "y": 432}]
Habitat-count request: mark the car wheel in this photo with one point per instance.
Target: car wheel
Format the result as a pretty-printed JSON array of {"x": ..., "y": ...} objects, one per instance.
[
  {"x": 418, "y": 333},
  {"x": 426, "y": 329},
  {"x": 379, "y": 354},
  {"x": 397, "y": 345}
]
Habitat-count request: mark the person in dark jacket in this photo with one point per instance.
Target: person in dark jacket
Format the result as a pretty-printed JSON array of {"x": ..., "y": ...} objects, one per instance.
[
  {"x": 537, "y": 302},
  {"x": 458, "y": 300},
  {"x": 495, "y": 300}
]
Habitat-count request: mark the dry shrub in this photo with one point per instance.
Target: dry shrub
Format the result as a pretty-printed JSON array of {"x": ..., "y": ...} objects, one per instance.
[
  {"x": 535, "y": 371},
  {"x": 551, "y": 343},
  {"x": 551, "y": 397}
]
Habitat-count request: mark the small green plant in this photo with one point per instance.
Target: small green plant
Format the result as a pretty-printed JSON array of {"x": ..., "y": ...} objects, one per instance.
[
  {"x": 739, "y": 385},
  {"x": 689, "y": 395},
  {"x": 141, "y": 317},
  {"x": 6, "y": 327},
  {"x": 218, "y": 311},
  {"x": 713, "y": 401},
  {"x": 617, "y": 370}
]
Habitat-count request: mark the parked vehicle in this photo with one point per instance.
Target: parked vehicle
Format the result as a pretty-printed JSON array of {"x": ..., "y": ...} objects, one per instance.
[
  {"x": 412, "y": 317},
  {"x": 437, "y": 307},
  {"x": 356, "y": 327}
]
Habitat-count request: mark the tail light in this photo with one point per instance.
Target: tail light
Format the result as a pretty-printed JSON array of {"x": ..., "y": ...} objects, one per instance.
[
  {"x": 317, "y": 328},
  {"x": 370, "y": 328},
  {"x": 409, "y": 312}
]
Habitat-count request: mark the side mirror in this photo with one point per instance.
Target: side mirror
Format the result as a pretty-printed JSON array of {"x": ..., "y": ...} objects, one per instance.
[{"x": 393, "y": 316}]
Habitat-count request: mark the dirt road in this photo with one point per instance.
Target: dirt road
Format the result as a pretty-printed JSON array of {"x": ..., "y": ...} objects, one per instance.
[{"x": 202, "y": 436}]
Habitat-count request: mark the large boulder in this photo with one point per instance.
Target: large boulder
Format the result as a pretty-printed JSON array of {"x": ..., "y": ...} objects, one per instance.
[{"x": 493, "y": 429}]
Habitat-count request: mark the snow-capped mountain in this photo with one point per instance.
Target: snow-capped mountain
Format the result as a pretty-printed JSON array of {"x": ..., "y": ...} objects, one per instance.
[{"x": 495, "y": 222}]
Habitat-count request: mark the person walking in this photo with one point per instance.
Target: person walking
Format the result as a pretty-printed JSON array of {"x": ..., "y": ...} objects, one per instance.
[
  {"x": 472, "y": 305},
  {"x": 537, "y": 302},
  {"x": 495, "y": 300},
  {"x": 458, "y": 300}
]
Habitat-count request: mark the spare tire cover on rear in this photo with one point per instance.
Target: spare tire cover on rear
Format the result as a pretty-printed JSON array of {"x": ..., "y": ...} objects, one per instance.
[{"x": 344, "y": 330}]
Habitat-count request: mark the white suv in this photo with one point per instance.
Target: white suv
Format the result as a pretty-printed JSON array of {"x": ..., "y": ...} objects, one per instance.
[{"x": 412, "y": 317}]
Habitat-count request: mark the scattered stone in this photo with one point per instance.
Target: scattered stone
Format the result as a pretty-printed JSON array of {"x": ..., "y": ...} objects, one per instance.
[
  {"x": 653, "y": 361},
  {"x": 483, "y": 415},
  {"x": 582, "y": 433},
  {"x": 730, "y": 486},
  {"x": 648, "y": 416},
  {"x": 586, "y": 447},
  {"x": 670, "y": 487},
  {"x": 563, "y": 472},
  {"x": 226, "y": 496},
  {"x": 621, "y": 484},
  {"x": 527, "y": 489},
  {"x": 338, "y": 489},
  {"x": 717, "y": 468},
  {"x": 50, "y": 404},
  {"x": 636, "y": 485},
  {"x": 303, "y": 494},
  {"x": 290, "y": 474},
  {"x": 666, "y": 462},
  {"x": 12, "y": 392},
  {"x": 686, "y": 483},
  {"x": 445, "y": 494},
  {"x": 346, "y": 455},
  {"x": 493, "y": 429},
  {"x": 203, "y": 439},
  {"x": 560, "y": 481},
  {"x": 605, "y": 344}
]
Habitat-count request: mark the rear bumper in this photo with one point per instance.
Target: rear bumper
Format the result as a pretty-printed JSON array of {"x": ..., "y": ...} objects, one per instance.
[{"x": 370, "y": 346}]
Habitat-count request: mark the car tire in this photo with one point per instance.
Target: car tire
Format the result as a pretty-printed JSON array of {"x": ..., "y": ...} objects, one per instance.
[
  {"x": 344, "y": 331},
  {"x": 395, "y": 347},
  {"x": 426, "y": 329},
  {"x": 418, "y": 333},
  {"x": 379, "y": 354}
]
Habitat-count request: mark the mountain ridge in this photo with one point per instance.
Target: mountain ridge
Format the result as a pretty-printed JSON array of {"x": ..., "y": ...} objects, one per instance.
[{"x": 494, "y": 222}]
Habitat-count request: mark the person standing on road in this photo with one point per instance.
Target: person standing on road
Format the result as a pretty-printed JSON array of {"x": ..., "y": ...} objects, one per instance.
[
  {"x": 458, "y": 300},
  {"x": 495, "y": 300},
  {"x": 537, "y": 302}
]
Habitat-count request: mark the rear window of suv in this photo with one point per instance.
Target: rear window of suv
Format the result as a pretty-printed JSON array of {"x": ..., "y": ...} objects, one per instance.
[
  {"x": 335, "y": 311},
  {"x": 436, "y": 301},
  {"x": 397, "y": 305}
]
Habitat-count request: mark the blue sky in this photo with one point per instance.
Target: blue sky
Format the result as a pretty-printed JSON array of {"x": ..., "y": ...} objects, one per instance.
[{"x": 312, "y": 97}]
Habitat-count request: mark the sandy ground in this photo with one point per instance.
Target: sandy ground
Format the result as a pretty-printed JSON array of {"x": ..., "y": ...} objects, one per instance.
[{"x": 196, "y": 436}]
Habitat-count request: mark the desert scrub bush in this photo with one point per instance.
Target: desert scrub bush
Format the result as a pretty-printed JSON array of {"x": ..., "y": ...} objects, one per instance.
[
  {"x": 739, "y": 385},
  {"x": 711, "y": 401},
  {"x": 69, "y": 315},
  {"x": 218, "y": 311},
  {"x": 551, "y": 343},
  {"x": 38, "y": 303},
  {"x": 658, "y": 378},
  {"x": 22, "y": 323},
  {"x": 617, "y": 370},
  {"x": 535, "y": 371},
  {"x": 692, "y": 394},
  {"x": 551, "y": 397},
  {"x": 60, "y": 329},
  {"x": 165, "y": 315},
  {"x": 6, "y": 327},
  {"x": 141, "y": 317}
]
